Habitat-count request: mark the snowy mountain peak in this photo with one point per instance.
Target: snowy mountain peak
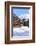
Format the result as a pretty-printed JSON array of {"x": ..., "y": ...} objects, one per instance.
[{"x": 24, "y": 16}]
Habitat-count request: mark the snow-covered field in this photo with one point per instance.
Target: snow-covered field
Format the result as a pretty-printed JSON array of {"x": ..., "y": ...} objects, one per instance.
[{"x": 21, "y": 31}]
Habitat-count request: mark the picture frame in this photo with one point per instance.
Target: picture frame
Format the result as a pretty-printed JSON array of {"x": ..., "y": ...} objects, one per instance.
[{"x": 27, "y": 9}]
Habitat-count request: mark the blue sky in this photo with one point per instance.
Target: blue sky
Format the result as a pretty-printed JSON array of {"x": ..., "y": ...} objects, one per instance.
[
  {"x": 18, "y": 12},
  {"x": 22, "y": 13}
]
